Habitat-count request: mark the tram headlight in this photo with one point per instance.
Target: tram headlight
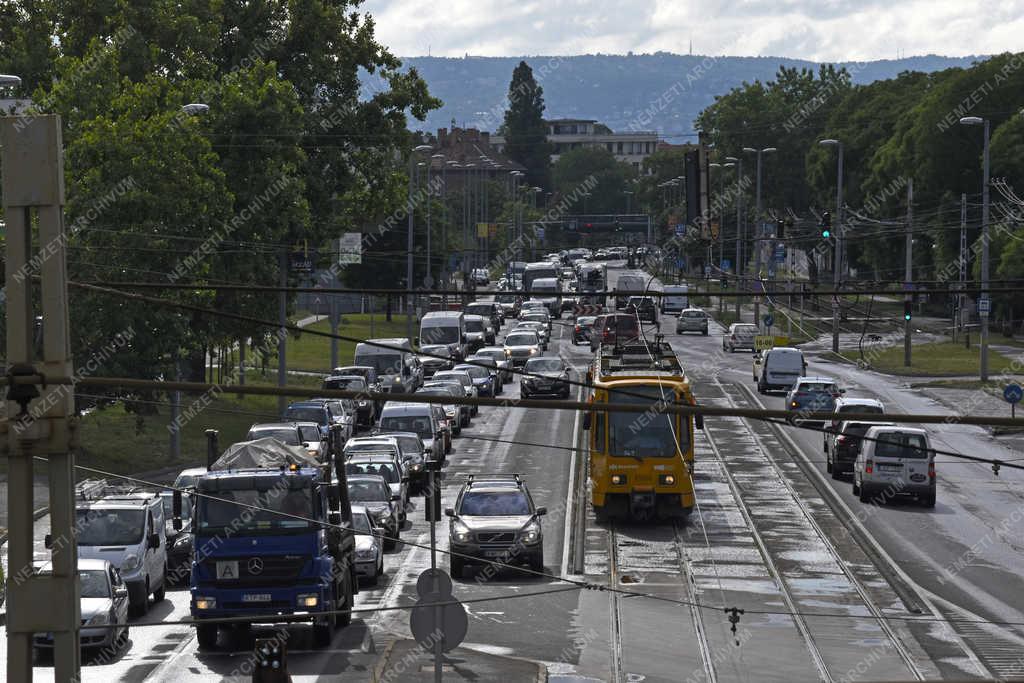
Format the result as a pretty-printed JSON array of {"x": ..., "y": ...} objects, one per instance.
[
  {"x": 667, "y": 479},
  {"x": 618, "y": 479}
]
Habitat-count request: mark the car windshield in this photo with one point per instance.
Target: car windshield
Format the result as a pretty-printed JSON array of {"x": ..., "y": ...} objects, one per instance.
[
  {"x": 345, "y": 383},
  {"x": 585, "y": 321},
  {"x": 383, "y": 363},
  {"x": 368, "y": 491},
  {"x": 745, "y": 329},
  {"x": 900, "y": 445},
  {"x": 460, "y": 377},
  {"x": 521, "y": 340},
  {"x": 544, "y": 365},
  {"x": 494, "y": 504},
  {"x": 693, "y": 314},
  {"x": 94, "y": 583},
  {"x": 382, "y": 468},
  {"x": 270, "y": 509},
  {"x": 448, "y": 334},
  {"x": 309, "y": 433},
  {"x": 410, "y": 445},
  {"x": 304, "y": 414},
  {"x": 475, "y": 371},
  {"x": 653, "y": 437},
  {"x": 286, "y": 436},
  {"x": 360, "y": 521},
  {"x": 419, "y": 424},
  {"x": 474, "y": 325},
  {"x": 436, "y": 350},
  {"x": 855, "y": 428},
  {"x": 866, "y": 408},
  {"x": 536, "y": 317},
  {"x": 818, "y": 387},
  {"x": 505, "y": 298},
  {"x": 168, "y": 502},
  {"x": 109, "y": 526}
]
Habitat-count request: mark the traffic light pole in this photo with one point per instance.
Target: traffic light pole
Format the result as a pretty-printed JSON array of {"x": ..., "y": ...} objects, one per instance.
[
  {"x": 907, "y": 332},
  {"x": 837, "y": 257}
]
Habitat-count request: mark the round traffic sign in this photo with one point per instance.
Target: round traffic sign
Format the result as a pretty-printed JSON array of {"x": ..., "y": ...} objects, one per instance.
[
  {"x": 769, "y": 320},
  {"x": 428, "y": 281},
  {"x": 433, "y": 581},
  {"x": 1013, "y": 393}
]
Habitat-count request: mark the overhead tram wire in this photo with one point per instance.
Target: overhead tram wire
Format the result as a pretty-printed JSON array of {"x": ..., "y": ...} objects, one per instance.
[{"x": 574, "y": 583}]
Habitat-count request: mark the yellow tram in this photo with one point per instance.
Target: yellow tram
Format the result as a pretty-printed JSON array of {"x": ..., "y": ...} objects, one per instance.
[{"x": 640, "y": 462}]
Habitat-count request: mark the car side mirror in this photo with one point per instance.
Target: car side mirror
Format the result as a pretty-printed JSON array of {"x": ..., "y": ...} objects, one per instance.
[
  {"x": 153, "y": 541},
  {"x": 305, "y": 444},
  {"x": 587, "y": 421},
  {"x": 842, "y": 391},
  {"x": 396, "y": 497},
  {"x": 334, "y": 518},
  {"x": 449, "y": 512},
  {"x": 541, "y": 511},
  {"x": 48, "y": 541},
  {"x": 121, "y": 592}
]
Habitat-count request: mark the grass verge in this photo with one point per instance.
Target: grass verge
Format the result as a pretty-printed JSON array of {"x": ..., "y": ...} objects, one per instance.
[{"x": 939, "y": 359}]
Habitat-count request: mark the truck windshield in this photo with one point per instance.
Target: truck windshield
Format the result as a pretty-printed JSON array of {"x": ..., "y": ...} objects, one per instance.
[
  {"x": 109, "y": 527},
  {"x": 650, "y": 434},
  {"x": 448, "y": 334},
  {"x": 383, "y": 363},
  {"x": 231, "y": 509}
]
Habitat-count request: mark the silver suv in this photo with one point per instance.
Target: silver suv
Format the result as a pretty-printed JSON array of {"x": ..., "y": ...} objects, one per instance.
[{"x": 494, "y": 519}]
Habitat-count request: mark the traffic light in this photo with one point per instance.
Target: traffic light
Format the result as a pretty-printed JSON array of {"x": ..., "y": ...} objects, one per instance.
[
  {"x": 725, "y": 282},
  {"x": 907, "y": 313},
  {"x": 780, "y": 229},
  {"x": 826, "y": 225}
]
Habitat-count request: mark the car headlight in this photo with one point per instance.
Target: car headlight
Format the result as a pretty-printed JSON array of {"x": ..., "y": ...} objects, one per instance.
[
  {"x": 369, "y": 554},
  {"x": 182, "y": 541},
  {"x": 384, "y": 516},
  {"x": 98, "y": 619},
  {"x": 131, "y": 562},
  {"x": 416, "y": 467},
  {"x": 460, "y": 532},
  {"x": 508, "y": 353},
  {"x": 533, "y": 350},
  {"x": 363, "y": 403},
  {"x": 206, "y": 603},
  {"x": 531, "y": 532},
  {"x": 307, "y": 600}
]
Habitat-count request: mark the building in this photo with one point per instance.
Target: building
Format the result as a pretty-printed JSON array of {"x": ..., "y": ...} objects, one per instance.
[{"x": 568, "y": 134}]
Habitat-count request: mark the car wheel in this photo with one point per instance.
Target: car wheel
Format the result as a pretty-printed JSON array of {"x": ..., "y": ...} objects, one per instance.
[
  {"x": 160, "y": 593},
  {"x": 206, "y": 636},
  {"x": 537, "y": 562},
  {"x": 828, "y": 465},
  {"x": 343, "y": 619},
  {"x": 705, "y": 333},
  {"x": 863, "y": 493},
  {"x": 456, "y": 566},
  {"x": 928, "y": 500}
]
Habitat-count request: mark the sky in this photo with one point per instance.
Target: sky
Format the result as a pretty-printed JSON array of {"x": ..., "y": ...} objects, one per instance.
[{"x": 819, "y": 30}]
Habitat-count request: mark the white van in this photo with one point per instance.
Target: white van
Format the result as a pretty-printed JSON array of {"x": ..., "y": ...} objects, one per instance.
[
  {"x": 895, "y": 461},
  {"x": 127, "y": 530},
  {"x": 444, "y": 327},
  {"x": 780, "y": 368},
  {"x": 675, "y": 298},
  {"x": 548, "y": 290},
  {"x": 394, "y": 361}
]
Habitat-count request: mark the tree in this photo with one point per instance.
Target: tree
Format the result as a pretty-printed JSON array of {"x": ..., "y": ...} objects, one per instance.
[
  {"x": 597, "y": 168},
  {"x": 526, "y": 134}
]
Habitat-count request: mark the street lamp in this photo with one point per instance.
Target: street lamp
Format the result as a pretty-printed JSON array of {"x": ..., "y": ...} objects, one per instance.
[
  {"x": 419, "y": 149},
  {"x": 738, "y": 267},
  {"x": 983, "y": 314},
  {"x": 430, "y": 192},
  {"x": 758, "y": 228},
  {"x": 837, "y": 253}
]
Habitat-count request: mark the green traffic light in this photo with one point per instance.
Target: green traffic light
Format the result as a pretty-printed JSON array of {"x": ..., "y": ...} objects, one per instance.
[{"x": 826, "y": 234}]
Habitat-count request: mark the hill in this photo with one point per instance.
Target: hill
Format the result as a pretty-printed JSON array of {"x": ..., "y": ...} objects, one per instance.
[{"x": 661, "y": 91}]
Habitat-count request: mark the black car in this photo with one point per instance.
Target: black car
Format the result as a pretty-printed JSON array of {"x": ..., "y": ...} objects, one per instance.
[
  {"x": 547, "y": 376},
  {"x": 494, "y": 519},
  {"x": 643, "y": 307},
  {"x": 582, "y": 328},
  {"x": 179, "y": 542},
  {"x": 366, "y": 410}
]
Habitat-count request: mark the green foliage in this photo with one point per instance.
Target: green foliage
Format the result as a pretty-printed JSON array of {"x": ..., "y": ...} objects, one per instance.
[
  {"x": 612, "y": 177},
  {"x": 524, "y": 127}
]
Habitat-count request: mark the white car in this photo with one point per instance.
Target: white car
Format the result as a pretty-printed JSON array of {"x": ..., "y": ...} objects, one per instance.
[
  {"x": 895, "y": 461},
  {"x": 369, "y": 549},
  {"x": 534, "y": 326},
  {"x": 104, "y": 605},
  {"x": 522, "y": 345}
]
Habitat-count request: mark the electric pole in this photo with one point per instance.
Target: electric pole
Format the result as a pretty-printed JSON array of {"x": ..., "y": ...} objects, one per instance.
[{"x": 909, "y": 275}]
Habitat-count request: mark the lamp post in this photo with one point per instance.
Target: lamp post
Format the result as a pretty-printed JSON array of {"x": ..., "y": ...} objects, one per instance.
[
  {"x": 737, "y": 266},
  {"x": 983, "y": 314},
  {"x": 758, "y": 228},
  {"x": 837, "y": 254},
  {"x": 419, "y": 149},
  {"x": 430, "y": 194},
  {"x": 445, "y": 274}
]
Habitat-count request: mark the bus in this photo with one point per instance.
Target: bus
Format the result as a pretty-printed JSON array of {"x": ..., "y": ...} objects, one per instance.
[{"x": 641, "y": 463}]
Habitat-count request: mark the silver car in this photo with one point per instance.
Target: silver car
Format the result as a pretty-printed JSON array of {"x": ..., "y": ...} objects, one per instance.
[
  {"x": 692, "y": 320},
  {"x": 369, "y": 549},
  {"x": 739, "y": 336},
  {"x": 522, "y": 345},
  {"x": 104, "y": 603}
]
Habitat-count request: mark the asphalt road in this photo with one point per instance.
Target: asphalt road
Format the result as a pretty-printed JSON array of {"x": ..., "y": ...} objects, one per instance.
[{"x": 764, "y": 539}]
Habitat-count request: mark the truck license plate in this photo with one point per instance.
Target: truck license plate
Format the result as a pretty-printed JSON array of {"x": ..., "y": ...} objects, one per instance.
[{"x": 256, "y": 597}]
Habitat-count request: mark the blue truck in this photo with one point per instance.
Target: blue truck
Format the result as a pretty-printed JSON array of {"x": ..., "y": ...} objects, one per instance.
[{"x": 273, "y": 542}]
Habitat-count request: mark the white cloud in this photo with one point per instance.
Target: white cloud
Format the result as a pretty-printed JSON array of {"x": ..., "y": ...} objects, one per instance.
[{"x": 821, "y": 30}]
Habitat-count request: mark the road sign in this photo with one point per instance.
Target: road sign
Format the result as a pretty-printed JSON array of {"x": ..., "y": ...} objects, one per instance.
[
  {"x": 587, "y": 309},
  {"x": 681, "y": 263},
  {"x": 726, "y": 264},
  {"x": 780, "y": 254},
  {"x": 984, "y": 306},
  {"x": 680, "y": 229},
  {"x": 540, "y": 234},
  {"x": 1013, "y": 393},
  {"x": 763, "y": 342},
  {"x": 349, "y": 248},
  {"x": 481, "y": 230},
  {"x": 302, "y": 261},
  {"x": 768, "y": 319},
  {"x": 428, "y": 622}
]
